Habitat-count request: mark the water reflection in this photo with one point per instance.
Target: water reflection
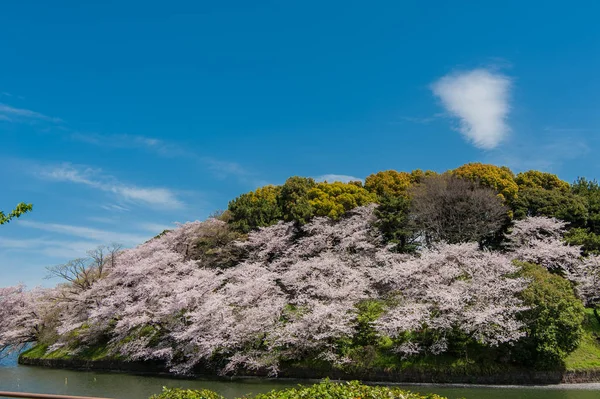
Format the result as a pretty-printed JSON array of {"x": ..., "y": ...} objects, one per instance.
[{"x": 125, "y": 386}]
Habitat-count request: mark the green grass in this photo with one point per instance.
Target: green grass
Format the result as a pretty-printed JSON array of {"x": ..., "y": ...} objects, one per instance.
[
  {"x": 587, "y": 355},
  {"x": 90, "y": 353}
]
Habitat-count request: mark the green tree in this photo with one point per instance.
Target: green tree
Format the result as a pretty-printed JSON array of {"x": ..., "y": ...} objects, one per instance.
[
  {"x": 559, "y": 204},
  {"x": 394, "y": 222},
  {"x": 589, "y": 241},
  {"x": 553, "y": 323},
  {"x": 255, "y": 209},
  {"x": 335, "y": 199},
  {"x": 589, "y": 190},
  {"x": 19, "y": 210},
  {"x": 293, "y": 199}
]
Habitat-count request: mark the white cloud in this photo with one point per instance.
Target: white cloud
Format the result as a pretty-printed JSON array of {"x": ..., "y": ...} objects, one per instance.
[
  {"x": 17, "y": 114},
  {"x": 165, "y": 149},
  {"x": 96, "y": 235},
  {"x": 480, "y": 99},
  {"x": 63, "y": 249},
  {"x": 332, "y": 177},
  {"x": 153, "y": 196}
]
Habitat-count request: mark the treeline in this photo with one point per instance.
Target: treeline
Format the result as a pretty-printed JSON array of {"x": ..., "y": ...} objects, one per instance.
[
  {"x": 474, "y": 202},
  {"x": 406, "y": 271}
]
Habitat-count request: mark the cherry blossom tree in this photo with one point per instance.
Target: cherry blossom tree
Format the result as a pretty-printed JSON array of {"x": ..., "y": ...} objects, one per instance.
[{"x": 294, "y": 293}]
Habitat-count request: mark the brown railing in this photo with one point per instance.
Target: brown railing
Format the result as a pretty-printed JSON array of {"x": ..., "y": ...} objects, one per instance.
[{"x": 40, "y": 396}]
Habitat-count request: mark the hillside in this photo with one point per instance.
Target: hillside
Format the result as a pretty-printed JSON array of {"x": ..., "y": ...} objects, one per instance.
[{"x": 474, "y": 272}]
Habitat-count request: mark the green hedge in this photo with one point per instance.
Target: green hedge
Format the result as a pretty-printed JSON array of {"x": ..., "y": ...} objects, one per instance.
[
  {"x": 324, "y": 390},
  {"x": 169, "y": 393}
]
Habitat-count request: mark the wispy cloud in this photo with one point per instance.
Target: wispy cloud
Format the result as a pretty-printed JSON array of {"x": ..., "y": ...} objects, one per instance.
[
  {"x": 53, "y": 248},
  {"x": 114, "y": 207},
  {"x": 153, "y": 196},
  {"x": 13, "y": 114},
  {"x": 480, "y": 100},
  {"x": 221, "y": 169},
  {"x": 94, "y": 235},
  {"x": 332, "y": 177},
  {"x": 160, "y": 147},
  {"x": 101, "y": 219}
]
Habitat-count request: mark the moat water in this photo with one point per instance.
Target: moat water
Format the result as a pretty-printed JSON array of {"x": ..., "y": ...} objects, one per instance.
[{"x": 126, "y": 386}]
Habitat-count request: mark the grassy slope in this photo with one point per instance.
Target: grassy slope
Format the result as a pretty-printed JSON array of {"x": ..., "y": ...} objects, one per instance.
[
  {"x": 587, "y": 355},
  {"x": 41, "y": 352}
]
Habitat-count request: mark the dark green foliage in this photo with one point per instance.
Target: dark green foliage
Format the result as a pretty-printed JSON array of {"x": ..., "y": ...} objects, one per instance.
[
  {"x": 394, "y": 222},
  {"x": 560, "y": 204},
  {"x": 19, "y": 210},
  {"x": 585, "y": 238},
  {"x": 255, "y": 209},
  {"x": 368, "y": 312},
  {"x": 553, "y": 322},
  {"x": 293, "y": 199},
  {"x": 589, "y": 190}
]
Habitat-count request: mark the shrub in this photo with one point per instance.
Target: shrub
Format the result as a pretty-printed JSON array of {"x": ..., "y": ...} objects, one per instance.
[
  {"x": 176, "y": 393},
  {"x": 554, "y": 321},
  {"x": 348, "y": 390},
  {"x": 324, "y": 390}
]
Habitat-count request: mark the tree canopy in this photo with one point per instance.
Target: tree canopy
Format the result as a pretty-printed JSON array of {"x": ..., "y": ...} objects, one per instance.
[{"x": 499, "y": 178}]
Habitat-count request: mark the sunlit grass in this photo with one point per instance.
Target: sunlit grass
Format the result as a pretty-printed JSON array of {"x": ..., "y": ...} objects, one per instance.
[{"x": 587, "y": 355}]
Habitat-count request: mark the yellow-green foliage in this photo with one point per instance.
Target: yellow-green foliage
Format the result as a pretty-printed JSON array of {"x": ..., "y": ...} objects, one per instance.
[
  {"x": 334, "y": 199},
  {"x": 500, "y": 178},
  {"x": 417, "y": 175},
  {"x": 537, "y": 179},
  {"x": 175, "y": 393},
  {"x": 324, "y": 390},
  {"x": 389, "y": 183}
]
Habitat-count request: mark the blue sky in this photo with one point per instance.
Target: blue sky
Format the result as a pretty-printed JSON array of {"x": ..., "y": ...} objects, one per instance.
[{"x": 120, "y": 118}]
